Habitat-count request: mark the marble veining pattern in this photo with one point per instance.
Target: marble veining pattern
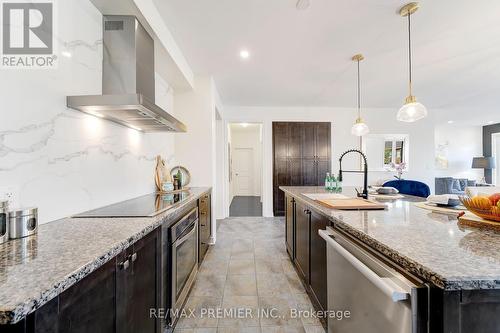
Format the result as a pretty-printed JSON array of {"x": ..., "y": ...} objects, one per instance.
[
  {"x": 429, "y": 245},
  {"x": 82, "y": 161},
  {"x": 36, "y": 269}
]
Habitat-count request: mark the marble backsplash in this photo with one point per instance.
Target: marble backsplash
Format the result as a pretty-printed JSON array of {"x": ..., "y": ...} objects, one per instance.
[{"x": 60, "y": 160}]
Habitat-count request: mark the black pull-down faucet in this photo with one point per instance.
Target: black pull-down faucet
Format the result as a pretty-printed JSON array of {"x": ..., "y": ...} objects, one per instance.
[{"x": 365, "y": 172}]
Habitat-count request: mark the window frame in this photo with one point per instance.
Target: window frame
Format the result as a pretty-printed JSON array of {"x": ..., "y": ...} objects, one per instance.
[{"x": 394, "y": 138}]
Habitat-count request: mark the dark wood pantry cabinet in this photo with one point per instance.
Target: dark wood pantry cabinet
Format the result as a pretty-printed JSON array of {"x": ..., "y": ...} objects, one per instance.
[{"x": 302, "y": 157}]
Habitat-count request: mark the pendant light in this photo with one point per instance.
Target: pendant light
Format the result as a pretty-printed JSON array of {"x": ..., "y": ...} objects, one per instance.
[
  {"x": 359, "y": 128},
  {"x": 411, "y": 111}
]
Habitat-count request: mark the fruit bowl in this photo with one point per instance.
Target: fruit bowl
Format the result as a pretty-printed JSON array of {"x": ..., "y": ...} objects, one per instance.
[{"x": 481, "y": 208}]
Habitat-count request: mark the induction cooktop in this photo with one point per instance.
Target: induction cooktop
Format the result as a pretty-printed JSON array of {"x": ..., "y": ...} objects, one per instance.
[{"x": 148, "y": 205}]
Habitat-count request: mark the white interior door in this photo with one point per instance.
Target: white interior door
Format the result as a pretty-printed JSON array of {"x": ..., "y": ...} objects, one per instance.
[{"x": 243, "y": 171}]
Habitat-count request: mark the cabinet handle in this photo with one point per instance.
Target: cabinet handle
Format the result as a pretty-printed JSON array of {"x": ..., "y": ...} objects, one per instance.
[
  {"x": 124, "y": 265},
  {"x": 133, "y": 257}
]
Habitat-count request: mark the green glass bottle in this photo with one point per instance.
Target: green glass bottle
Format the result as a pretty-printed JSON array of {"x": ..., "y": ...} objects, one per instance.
[
  {"x": 327, "y": 181},
  {"x": 334, "y": 183}
]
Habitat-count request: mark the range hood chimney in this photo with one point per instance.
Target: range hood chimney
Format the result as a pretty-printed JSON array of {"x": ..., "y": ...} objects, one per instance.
[{"x": 128, "y": 80}]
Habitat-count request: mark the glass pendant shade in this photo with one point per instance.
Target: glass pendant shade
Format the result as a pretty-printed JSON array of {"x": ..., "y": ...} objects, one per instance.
[
  {"x": 411, "y": 111},
  {"x": 360, "y": 128}
]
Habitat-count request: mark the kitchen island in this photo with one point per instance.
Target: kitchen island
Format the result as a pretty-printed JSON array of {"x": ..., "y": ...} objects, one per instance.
[
  {"x": 460, "y": 266},
  {"x": 35, "y": 271}
]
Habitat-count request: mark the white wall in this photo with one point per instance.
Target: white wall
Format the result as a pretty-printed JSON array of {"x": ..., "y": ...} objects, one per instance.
[
  {"x": 61, "y": 160},
  {"x": 196, "y": 149},
  {"x": 459, "y": 144},
  {"x": 249, "y": 138},
  {"x": 381, "y": 121}
]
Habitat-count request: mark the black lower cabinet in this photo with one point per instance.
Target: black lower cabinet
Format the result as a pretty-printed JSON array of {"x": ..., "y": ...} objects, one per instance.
[
  {"x": 117, "y": 297},
  {"x": 205, "y": 226},
  {"x": 89, "y": 306},
  {"x": 302, "y": 234},
  {"x": 44, "y": 320},
  {"x": 318, "y": 279},
  {"x": 290, "y": 226},
  {"x": 137, "y": 286}
]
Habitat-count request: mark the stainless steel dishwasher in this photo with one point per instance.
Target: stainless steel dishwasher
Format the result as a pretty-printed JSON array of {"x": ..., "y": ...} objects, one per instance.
[{"x": 378, "y": 298}]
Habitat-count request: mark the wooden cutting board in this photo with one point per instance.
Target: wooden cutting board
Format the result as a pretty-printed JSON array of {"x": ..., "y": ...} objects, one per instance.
[
  {"x": 471, "y": 220},
  {"x": 351, "y": 204},
  {"x": 455, "y": 211}
]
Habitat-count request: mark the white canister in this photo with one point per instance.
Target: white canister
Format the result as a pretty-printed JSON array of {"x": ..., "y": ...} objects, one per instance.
[{"x": 23, "y": 222}]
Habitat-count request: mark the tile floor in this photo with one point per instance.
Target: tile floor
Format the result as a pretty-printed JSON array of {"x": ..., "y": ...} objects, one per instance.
[
  {"x": 245, "y": 206},
  {"x": 248, "y": 269}
]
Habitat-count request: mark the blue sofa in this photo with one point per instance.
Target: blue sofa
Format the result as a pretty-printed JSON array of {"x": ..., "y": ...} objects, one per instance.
[
  {"x": 410, "y": 187},
  {"x": 449, "y": 185}
]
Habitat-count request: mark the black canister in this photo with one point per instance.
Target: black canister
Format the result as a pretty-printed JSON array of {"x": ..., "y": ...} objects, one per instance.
[{"x": 4, "y": 221}]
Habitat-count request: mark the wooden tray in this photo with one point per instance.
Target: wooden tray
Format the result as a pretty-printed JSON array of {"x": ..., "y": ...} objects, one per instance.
[
  {"x": 455, "y": 211},
  {"x": 470, "y": 220},
  {"x": 351, "y": 204}
]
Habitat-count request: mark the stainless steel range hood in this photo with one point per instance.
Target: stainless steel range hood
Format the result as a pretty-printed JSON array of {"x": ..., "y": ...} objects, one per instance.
[{"x": 128, "y": 80}]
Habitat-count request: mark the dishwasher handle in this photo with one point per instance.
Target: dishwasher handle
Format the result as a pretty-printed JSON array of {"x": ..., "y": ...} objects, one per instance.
[{"x": 387, "y": 286}]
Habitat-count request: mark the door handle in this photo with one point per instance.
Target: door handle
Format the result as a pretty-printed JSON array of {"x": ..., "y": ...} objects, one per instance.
[
  {"x": 387, "y": 286},
  {"x": 124, "y": 265}
]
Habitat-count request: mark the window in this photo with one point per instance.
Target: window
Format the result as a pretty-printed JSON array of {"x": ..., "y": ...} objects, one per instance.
[
  {"x": 384, "y": 149},
  {"x": 394, "y": 152}
]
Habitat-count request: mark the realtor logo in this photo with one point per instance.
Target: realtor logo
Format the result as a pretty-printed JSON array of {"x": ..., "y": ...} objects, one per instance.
[{"x": 27, "y": 34}]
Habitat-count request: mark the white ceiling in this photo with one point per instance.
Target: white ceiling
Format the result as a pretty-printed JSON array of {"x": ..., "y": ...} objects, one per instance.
[{"x": 302, "y": 58}]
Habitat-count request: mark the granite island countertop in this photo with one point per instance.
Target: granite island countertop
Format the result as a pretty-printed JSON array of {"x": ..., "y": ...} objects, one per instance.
[
  {"x": 34, "y": 270},
  {"x": 424, "y": 243}
]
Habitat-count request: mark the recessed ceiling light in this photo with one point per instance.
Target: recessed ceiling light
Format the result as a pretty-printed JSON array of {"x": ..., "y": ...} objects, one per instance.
[
  {"x": 244, "y": 54},
  {"x": 451, "y": 121}
]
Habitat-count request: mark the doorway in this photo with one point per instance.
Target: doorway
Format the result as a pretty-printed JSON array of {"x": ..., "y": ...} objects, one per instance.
[{"x": 245, "y": 169}]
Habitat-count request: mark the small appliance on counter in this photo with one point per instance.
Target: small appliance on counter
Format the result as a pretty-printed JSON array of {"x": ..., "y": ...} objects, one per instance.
[
  {"x": 4, "y": 221},
  {"x": 23, "y": 222}
]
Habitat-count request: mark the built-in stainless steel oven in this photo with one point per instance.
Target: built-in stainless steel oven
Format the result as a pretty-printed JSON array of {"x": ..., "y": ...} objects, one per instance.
[{"x": 183, "y": 263}]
